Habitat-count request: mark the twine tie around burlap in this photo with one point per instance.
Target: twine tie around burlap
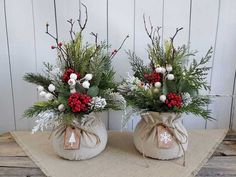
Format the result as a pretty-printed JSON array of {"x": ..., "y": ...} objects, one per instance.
[
  {"x": 169, "y": 125},
  {"x": 59, "y": 130}
]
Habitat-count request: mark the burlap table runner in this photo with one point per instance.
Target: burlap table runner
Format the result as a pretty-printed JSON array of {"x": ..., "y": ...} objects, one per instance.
[{"x": 120, "y": 159}]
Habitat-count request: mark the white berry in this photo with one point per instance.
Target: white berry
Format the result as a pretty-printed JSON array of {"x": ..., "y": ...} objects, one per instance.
[
  {"x": 163, "y": 70},
  {"x": 158, "y": 69},
  {"x": 73, "y": 76},
  {"x": 61, "y": 107},
  {"x": 169, "y": 68},
  {"x": 88, "y": 77},
  {"x": 163, "y": 98},
  {"x": 72, "y": 90},
  {"x": 42, "y": 93},
  {"x": 86, "y": 84},
  {"x": 71, "y": 82},
  {"x": 157, "y": 84},
  {"x": 51, "y": 88},
  {"x": 170, "y": 76},
  {"x": 49, "y": 96},
  {"x": 40, "y": 88}
]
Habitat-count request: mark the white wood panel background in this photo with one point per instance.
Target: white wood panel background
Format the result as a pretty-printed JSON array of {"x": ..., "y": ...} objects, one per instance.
[{"x": 24, "y": 46}]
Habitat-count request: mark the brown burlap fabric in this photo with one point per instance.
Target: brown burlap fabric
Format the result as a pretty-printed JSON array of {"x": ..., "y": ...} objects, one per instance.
[{"x": 120, "y": 159}]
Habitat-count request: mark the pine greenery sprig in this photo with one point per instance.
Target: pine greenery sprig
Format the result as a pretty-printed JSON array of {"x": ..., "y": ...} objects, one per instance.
[
  {"x": 197, "y": 72},
  {"x": 38, "y": 79},
  {"x": 198, "y": 107},
  {"x": 40, "y": 107},
  {"x": 90, "y": 63},
  {"x": 137, "y": 65},
  {"x": 186, "y": 80}
]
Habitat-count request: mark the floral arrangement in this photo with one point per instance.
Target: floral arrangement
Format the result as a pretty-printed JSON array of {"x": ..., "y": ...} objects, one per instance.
[
  {"x": 167, "y": 84},
  {"x": 81, "y": 82}
]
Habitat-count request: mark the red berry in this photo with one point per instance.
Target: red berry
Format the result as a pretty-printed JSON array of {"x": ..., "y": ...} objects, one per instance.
[
  {"x": 60, "y": 44},
  {"x": 173, "y": 100},
  {"x": 79, "y": 102},
  {"x": 53, "y": 47},
  {"x": 67, "y": 73},
  {"x": 153, "y": 77},
  {"x": 114, "y": 52}
]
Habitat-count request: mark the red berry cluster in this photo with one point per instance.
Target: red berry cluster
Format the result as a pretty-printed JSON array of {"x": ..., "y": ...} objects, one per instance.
[
  {"x": 173, "y": 100},
  {"x": 153, "y": 77},
  {"x": 59, "y": 45},
  {"x": 79, "y": 102},
  {"x": 114, "y": 52},
  {"x": 67, "y": 73}
]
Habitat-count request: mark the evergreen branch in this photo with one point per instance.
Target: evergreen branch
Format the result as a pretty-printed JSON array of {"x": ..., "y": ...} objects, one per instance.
[
  {"x": 37, "y": 79},
  {"x": 198, "y": 107},
  {"x": 39, "y": 107},
  {"x": 137, "y": 65}
]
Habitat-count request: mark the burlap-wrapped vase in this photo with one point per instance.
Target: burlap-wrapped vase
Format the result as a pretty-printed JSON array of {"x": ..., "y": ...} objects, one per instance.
[
  {"x": 161, "y": 135},
  {"x": 92, "y": 139}
]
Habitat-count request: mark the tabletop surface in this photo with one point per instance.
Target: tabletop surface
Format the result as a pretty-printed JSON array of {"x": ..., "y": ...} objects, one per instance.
[{"x": 14, "y": 162}]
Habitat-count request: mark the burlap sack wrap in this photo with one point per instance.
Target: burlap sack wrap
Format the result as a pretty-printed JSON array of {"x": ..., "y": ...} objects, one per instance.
[
  {"x": 92, "y": 138},
  {"x": 161, "y": 135}
]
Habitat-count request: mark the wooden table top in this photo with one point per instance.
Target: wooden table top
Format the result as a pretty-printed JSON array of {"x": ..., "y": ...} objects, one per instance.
[{"x": 14, "y": 162}]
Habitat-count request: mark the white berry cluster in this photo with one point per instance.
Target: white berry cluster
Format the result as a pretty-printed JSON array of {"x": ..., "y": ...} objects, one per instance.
[
  {"x": 45, "y": 94},
  {"x": 98, "y": 103},
  {"x": 166, "y": 72},
  {"x": 131, "y": 83},
  {"x": 186, "y": 97},
  {"x": 84, "y": 81}
]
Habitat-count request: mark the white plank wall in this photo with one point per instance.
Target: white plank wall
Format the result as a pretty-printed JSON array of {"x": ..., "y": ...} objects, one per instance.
[
  {"x": 6, "y": 100},
  {"x": 201, "y": 39},
  {"x": 120, "y": 24},
  {"x": 225, "y": 62},
  {"x": 22, "y": 28},
  {"x": 43, "y": 12},
  {"x": 22, "y": 54}
]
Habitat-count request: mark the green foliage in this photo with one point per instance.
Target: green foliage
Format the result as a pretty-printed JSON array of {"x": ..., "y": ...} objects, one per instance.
[
  {"x": 187, "y": 79},
  {"x": 93, "y": 91},
  {"x": 92, "y": 59},
  {"x": 40, "y": 107},
  {"x": 198, "y": 107},
  {"x": 195, "y": 76},
  {"x": 37, "y": 79},
  {"x": 138, "y": 66}
]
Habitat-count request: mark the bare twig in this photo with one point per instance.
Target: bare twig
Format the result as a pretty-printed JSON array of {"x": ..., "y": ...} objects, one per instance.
[
  {"x": 71, "y": 22},
  {"x": 158, "y": 33},
  {"x": 117, "y": 50},
  {"x": 96, "y": 44},
  {"x": 176, "y": 32},
  {"x": 83, "y": 25},
  {"x": 60, "y": 49},
  {"x": 150, "y": 35},
  {"x": 47, "y": 32},
  {"x": 153, "y": 34},
  {"x": 96, "y": 38},
  {"x": 172, "y": 41}
]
